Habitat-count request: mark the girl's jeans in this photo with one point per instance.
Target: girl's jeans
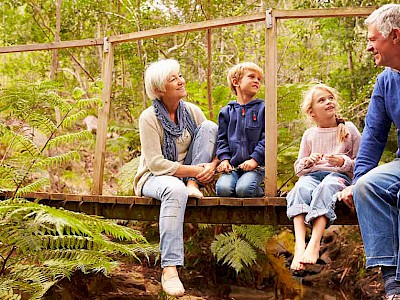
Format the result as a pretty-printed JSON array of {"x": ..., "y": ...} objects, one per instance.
[
  {"x": 241, "y": 184},
  {"x": 314, "y": 195},
  {"x": 173, "y": 194},
  {"x": 376, "y": 197}
]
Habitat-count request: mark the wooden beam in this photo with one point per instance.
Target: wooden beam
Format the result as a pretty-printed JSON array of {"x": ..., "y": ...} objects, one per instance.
[
  {"x": 104, "y": 112},
  {"x": 209, "y": 210},
  {"x": 51, "y": 46},
  {"x": 323, "y": 12},
  {"x": 209, "y": 71},
  {"x": 197, "y": 26},
  {"x": 271, "y": 100}
]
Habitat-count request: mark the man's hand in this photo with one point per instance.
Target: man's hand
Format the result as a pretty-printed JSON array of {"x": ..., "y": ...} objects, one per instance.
[{"x": 346, "y": 195}]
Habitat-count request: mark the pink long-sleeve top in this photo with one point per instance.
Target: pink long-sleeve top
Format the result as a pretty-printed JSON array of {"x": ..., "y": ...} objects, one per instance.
[{"x": 325, "y": 141}]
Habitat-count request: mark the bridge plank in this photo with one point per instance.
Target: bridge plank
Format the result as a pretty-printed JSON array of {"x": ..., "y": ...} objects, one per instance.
[{"x": 209, "y": 210}]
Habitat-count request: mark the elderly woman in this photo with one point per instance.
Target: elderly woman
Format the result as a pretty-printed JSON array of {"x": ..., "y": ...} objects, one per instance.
[{"x": 178, "y": 153}]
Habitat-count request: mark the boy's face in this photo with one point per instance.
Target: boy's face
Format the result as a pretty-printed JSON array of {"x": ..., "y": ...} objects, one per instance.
[{"x": 250, "y": 82}]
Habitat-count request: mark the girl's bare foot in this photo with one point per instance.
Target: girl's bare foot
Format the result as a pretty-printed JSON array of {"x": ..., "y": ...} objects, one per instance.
[
  {"x": 296, "y": 262},
  {"x": 311, "y": 254}
]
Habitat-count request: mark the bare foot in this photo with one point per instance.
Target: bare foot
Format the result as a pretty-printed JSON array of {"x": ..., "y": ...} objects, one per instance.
[
  {"x": 296, "y": 262},
  {"x": 193, "y": 190},
  {"x": 311, "y": 254}
]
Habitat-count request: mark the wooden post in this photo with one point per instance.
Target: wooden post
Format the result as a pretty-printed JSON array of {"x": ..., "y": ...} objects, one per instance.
[
  {"x": 104, "y": 112},
  {"x": 271, "y": 100},
  {"x": 209, "y": 84}
]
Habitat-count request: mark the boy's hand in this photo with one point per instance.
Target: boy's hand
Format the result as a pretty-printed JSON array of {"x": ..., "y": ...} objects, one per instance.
[
  {"x": 224, "y": 166},
  {"x": 248, "y": 165}
]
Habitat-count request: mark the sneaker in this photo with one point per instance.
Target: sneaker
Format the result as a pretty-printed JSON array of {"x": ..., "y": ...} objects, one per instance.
[
  {"x": 393, "y": 297},
  {"x": 172, "y": 286}
]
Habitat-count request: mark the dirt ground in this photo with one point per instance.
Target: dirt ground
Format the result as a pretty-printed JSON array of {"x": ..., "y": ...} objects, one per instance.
[{"x": 341, "y": 268}]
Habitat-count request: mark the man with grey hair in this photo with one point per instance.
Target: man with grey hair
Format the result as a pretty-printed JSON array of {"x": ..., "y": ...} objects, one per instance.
[{"x": 376, "y": 189}]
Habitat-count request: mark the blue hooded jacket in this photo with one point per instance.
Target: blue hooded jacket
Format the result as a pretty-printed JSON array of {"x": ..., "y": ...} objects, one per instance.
[{"x": 241, "y": 132}]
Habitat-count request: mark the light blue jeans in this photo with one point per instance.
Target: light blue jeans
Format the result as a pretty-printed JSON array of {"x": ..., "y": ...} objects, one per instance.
[
  {"x": 241, "y": 184},
  {"x": 172, "y": 193},
  {"x": 377, "y": 199},
  {"x": 314, "y": 195}
]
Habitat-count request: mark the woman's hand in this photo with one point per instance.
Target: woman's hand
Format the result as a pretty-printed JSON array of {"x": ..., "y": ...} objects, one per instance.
[
  {"x": 334, "y": 160},
  {"x": 248, "y": 165},
  {"x": 224, "y": 166},
  {"x": 207, "y": 174}
]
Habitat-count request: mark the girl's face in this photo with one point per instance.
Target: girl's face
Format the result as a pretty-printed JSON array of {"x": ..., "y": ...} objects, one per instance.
[
  {"x": 174, "y": 88},
  {"x": 323, "y": 106}
]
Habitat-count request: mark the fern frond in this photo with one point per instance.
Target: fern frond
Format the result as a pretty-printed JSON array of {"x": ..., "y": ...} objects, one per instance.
[
  {"x": 233, "y": 251},
  {"x": 88, "y": 103},
  {"x": 71, "y": 120},
  {"x": 18, "y": 142},
  {"x": 257, "y": 235},
  {"x": 44, "y": 124},
  {"x": 70, "y": 138},
  {"x": 126, "y": 176},
  {"x": 32, "y": 187},
  {"x": 55, "y": 100},
  {"x": 57, "y": 160}
]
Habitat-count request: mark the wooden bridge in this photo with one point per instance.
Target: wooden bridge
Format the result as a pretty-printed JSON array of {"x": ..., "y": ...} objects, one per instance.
[
  {"x": 266, "y": 210},
  {"x": 209, "y": 210}
]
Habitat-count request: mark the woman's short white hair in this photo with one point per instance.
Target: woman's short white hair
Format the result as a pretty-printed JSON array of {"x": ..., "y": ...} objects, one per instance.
[
  {"x": 386, "y": 18},
  {"x": 156, "y": 76}
]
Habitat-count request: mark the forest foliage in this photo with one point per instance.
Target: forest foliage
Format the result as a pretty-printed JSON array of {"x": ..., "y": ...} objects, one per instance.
[{"x": 43, "y": 105}]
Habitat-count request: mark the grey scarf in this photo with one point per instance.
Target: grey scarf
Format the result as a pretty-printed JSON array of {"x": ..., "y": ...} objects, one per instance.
[{"x": 171, "y": 130}]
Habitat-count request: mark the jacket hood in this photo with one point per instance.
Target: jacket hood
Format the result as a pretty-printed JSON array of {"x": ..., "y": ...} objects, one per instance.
[{"x": 256, "y": 101}]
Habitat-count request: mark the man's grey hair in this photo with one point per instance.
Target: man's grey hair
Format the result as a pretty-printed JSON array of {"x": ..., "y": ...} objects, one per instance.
[{"x": 386, "y": 18}]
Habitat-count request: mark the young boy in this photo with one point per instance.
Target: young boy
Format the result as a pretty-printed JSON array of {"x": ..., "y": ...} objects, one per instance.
[{"x": 241, "y": 135}]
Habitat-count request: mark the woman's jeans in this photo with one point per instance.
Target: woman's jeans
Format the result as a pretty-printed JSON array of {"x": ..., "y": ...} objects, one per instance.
[
  {"x": 242, "y": 184},
  {"x": 377, "y": 197},
  {"x": 173, "y": 194},
  {"x": 314, "y": 196}
]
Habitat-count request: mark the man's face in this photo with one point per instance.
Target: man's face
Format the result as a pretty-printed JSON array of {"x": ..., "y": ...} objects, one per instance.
[{"x": 382, "y": 48}]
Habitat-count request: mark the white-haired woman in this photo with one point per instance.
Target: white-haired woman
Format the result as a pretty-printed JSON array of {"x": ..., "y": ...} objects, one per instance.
[{"x": 177, "y": 154}]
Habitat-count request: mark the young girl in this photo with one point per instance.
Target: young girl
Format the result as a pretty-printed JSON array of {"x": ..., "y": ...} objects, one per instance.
[{"x": 325, "y": 166}]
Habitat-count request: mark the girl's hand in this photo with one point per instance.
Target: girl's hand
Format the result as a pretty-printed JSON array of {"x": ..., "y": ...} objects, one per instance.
[
  {"x": 312, "y": 159},
  {"x": 334, "y": 160},
  {"x": 224, "y": 166},
  {"x": 207, "y": 174},
  {"x": 248, "y": 165}
]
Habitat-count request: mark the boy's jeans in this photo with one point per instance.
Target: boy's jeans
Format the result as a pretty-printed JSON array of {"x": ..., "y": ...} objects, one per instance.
[
  {"x": 376, "y": 197},
  {"x": 242, "y": 184},
  {"x": 314, "y": 195},
  {"x": 173, "y": 194}
]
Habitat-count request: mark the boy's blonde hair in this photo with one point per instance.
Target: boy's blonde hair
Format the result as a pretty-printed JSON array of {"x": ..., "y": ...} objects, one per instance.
[
  {"x": 237, "y": 71},
  {"x": 308, "y": 100}
]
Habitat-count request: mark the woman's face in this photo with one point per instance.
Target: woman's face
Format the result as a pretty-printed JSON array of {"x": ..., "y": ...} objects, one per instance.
[{"x": 174, "y": 87}]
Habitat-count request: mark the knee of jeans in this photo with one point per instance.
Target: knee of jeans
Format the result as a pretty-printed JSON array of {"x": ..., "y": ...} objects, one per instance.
[
  {"x": 362, "y": 186},
  {"x": 224, "y": 191},
  {"x": 244, "y": 192},
  {"x": 209, "y": 126},
  {"x": 176, "y": 192}
]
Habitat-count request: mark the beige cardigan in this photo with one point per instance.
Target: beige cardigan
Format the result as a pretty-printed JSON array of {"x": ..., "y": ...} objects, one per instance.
[{"x": 151, "y": 137}]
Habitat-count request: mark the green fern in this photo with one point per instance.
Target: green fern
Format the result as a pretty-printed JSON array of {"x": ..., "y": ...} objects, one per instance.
[
  {"x": 50, "y": 244},
  {"x": 126, "y": 176}
]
